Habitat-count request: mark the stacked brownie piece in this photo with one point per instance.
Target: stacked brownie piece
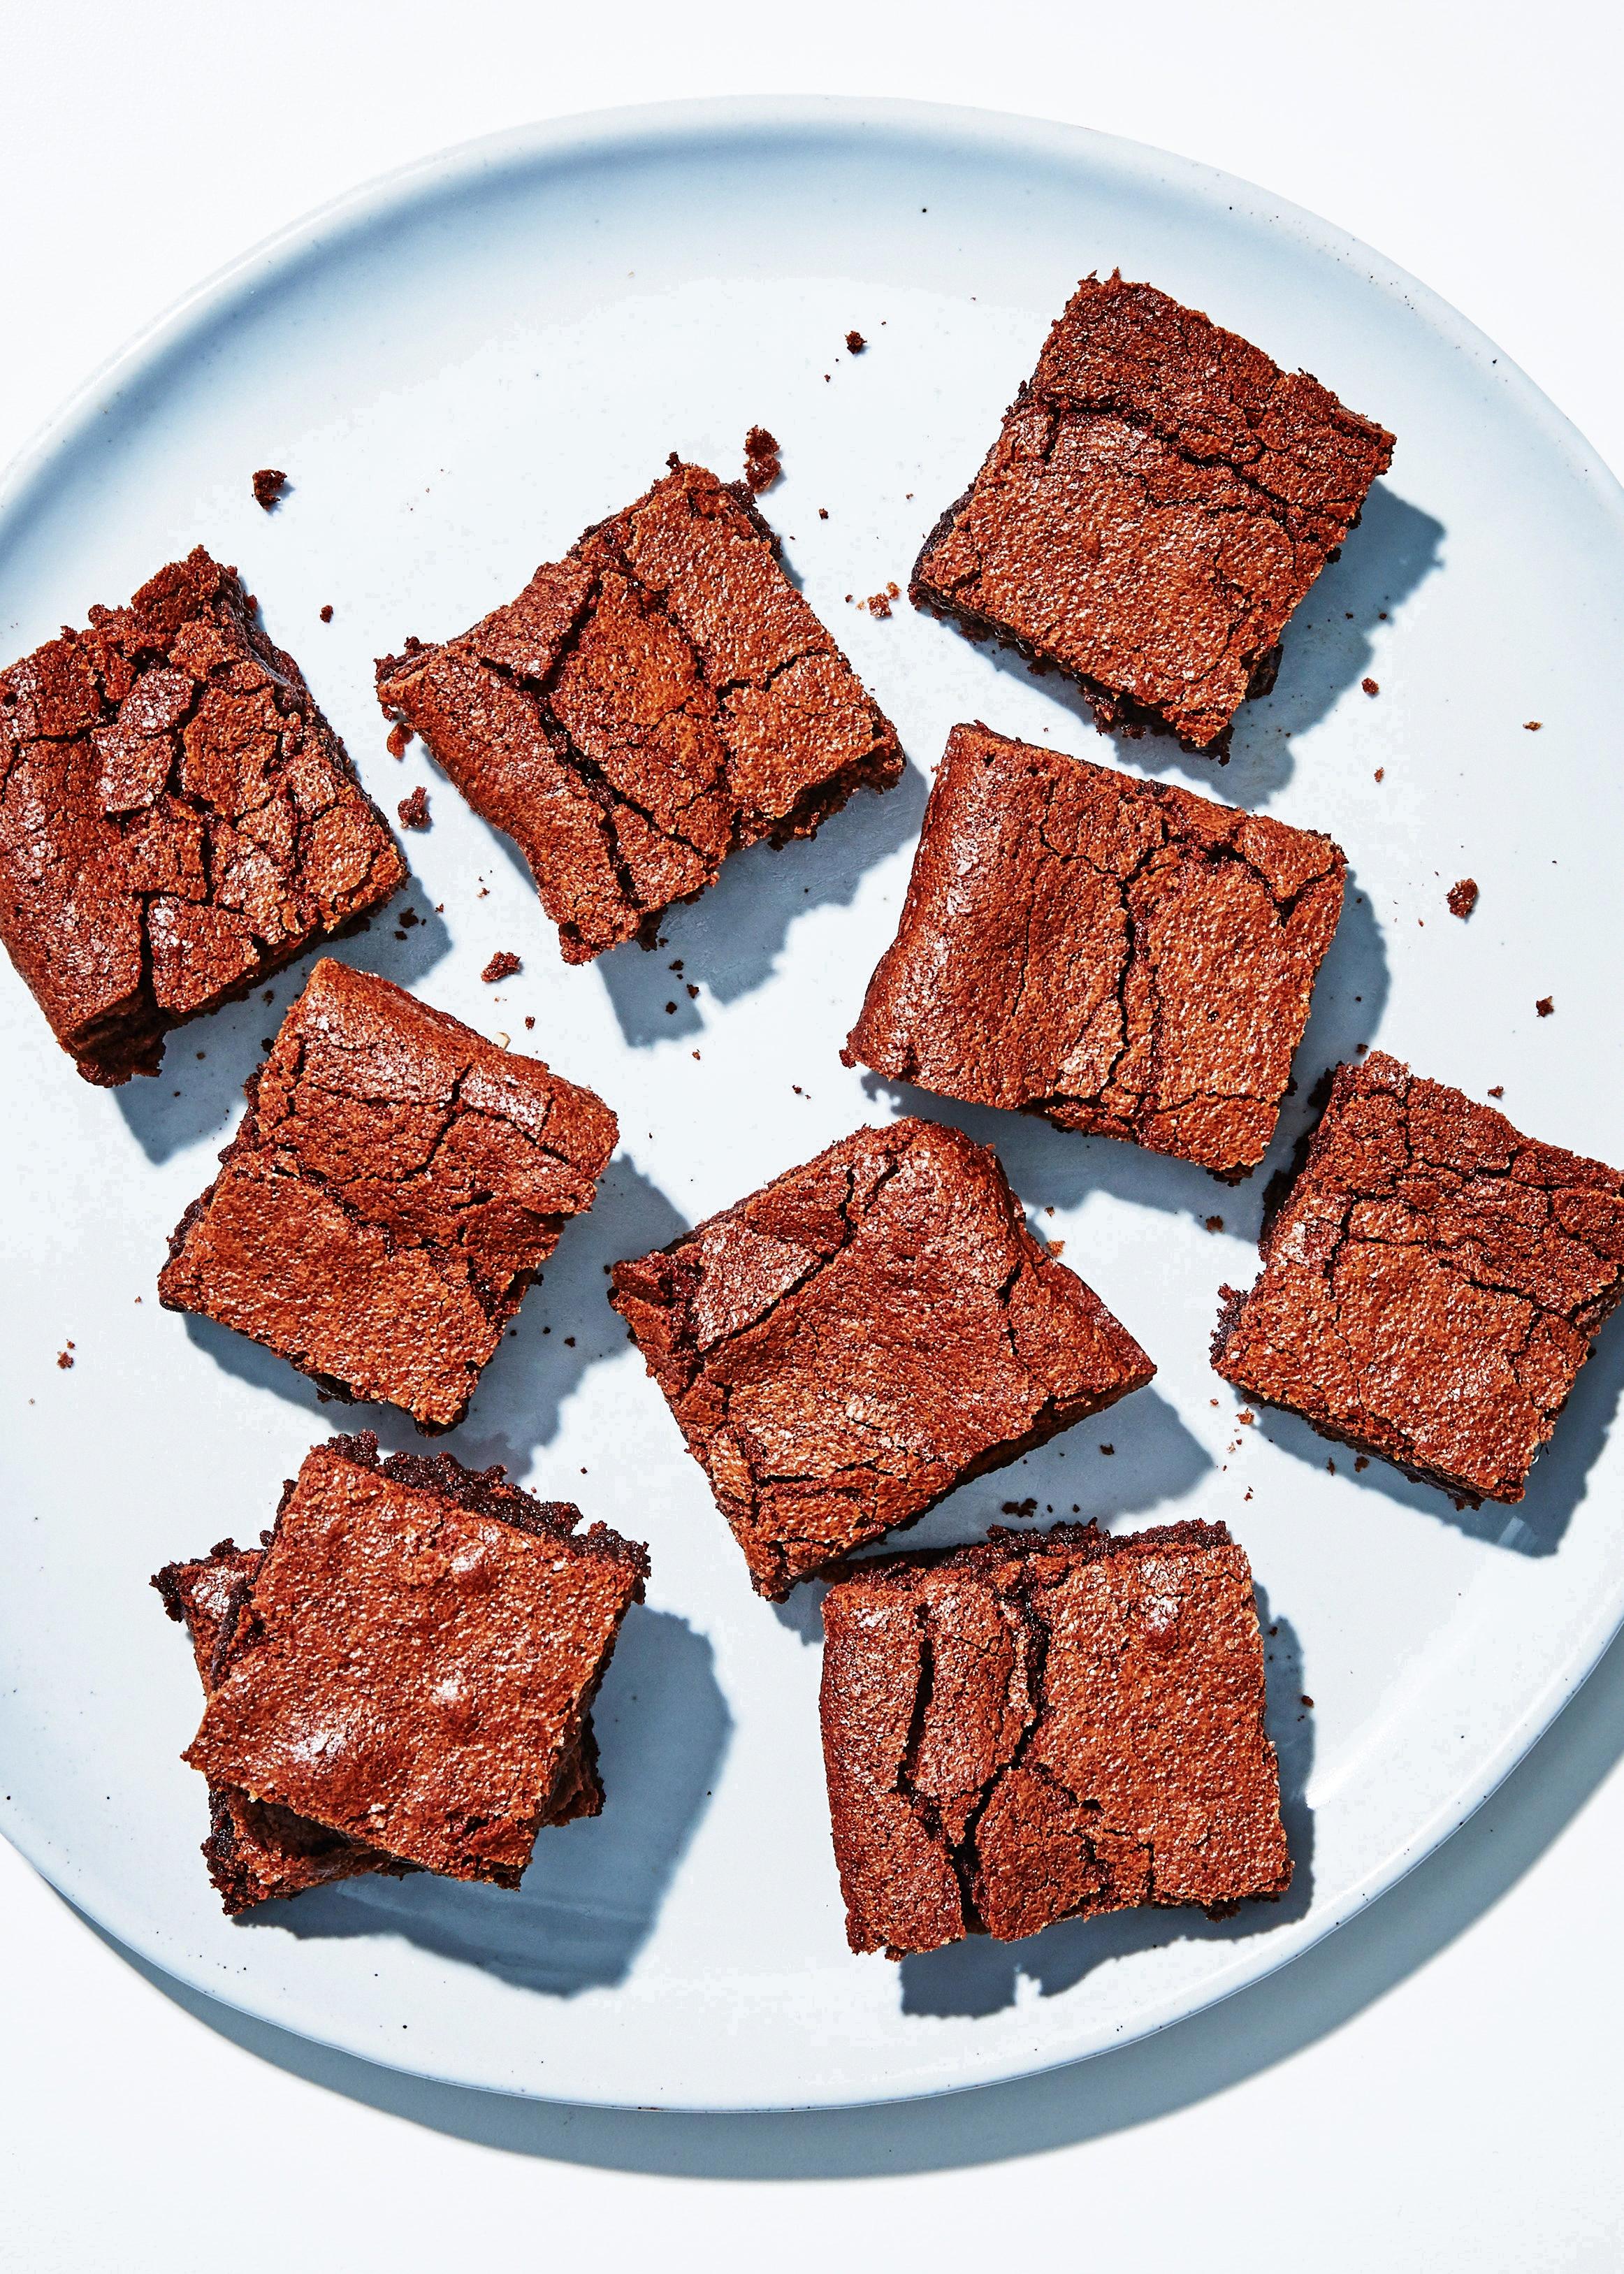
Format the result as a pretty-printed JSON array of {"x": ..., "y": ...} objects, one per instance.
[{"x": 404, "y": 1676}]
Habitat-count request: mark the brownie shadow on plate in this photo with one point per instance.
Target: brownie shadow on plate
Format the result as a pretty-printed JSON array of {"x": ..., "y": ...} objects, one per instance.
[
  {"x": 1328, "y": 647},
  {"x": 589, "y": 1899},
  {"x": 970, "y": 1979},
  {"x": 729, "y": 940}
]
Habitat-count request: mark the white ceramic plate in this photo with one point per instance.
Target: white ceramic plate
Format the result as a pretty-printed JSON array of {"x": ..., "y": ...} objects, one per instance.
[{"x": 460, "y": 370}]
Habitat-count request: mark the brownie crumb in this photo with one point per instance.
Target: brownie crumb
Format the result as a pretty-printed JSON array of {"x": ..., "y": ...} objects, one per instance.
[
  {"x": 1018, "y": 1508},
  {"x": 396, "y": 740},
  {"x": 1108, "y": 1450},
  {"x": 503, "y": 966},
  {"x": 64, "y": 1358},
  {"x": 1499, "y": 1090},
  {"x": 763, "y": 465},
  {"x": 1545, "y": 1006},
  {"x": 1369, "y": 686},
  {"x": 1215, "y": 1224},
  {"x": 1531, "y": 725},
  {"x": 855, "y": 343},
  {"x": 326, "y": 611},
  {"x": 268, "y": 485},
  {"x": 414, "y": 811},
  {"x": 1380, "y": 773},
  {"x": 822, "y": 513},
  {"x": 1463, "y": 897}
]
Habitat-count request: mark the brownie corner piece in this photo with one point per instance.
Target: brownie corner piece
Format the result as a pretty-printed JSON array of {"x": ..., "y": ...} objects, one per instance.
[
  {"x": 177, "y": 819},
  {"x": 846, "y": 1346},
  {"x": 1431, "y": 1284},
  {"x": 1158, "y": 498},
  {"x": 446, "y": 1633},
  {"x": 395, "y": 1184},
  {"x": 658, "y": 700},
  {"x": 1121, "y": 956},
  {"x": 1042, "y": 1726}
]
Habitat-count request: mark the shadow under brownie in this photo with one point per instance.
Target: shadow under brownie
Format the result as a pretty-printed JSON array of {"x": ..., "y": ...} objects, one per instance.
[
  {"x": 1117, "y": 955},
  {"x": 177, "y": 820},
  {"x": 1160, "y": 498},
  {"x": 1432, "y": 1284},
  {"x": 658, "y": 700},
  {"x": 414, "y": 1662},
  {"x": 1043, "y": 1725},
  {"x": 861, "y": 1336},
  {"x": 394, "y": 1186}
]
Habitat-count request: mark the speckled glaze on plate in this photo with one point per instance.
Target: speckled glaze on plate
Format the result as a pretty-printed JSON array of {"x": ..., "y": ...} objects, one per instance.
[{"x": 460, "y": 370}]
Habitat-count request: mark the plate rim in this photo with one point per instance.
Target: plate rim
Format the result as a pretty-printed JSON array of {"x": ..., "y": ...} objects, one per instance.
[{"x": 600, "y": 136}]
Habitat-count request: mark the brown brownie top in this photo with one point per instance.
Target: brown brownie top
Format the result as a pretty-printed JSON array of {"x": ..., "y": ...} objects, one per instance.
[
  {"x": 394, "y": 1187},
  {"x": 416, "y": 1656},
  {"x": 653, "y": 702},
  {"x": 202, "y": 1594},
  {"x": 863, "y": 1334},
  {"x": 177, "y": 817},
  {"x": 1431, "y": 1284},
  {"x": 1160, "y": 498},
  {"x": 1047, "y": 1725},
  {"x": 1119, "y": 955}
]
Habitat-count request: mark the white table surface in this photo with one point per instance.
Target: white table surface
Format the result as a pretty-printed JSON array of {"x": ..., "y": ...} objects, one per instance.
[{"x": 1439, "y": 2085}]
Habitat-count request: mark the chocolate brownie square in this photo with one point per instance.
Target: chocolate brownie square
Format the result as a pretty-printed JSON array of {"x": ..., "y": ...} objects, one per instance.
[
  {"x": 1044, "y": 1725},
  {"x": 651, "y": 702},
  {"x": 863, "y": 1334},
  {"x": 177, "y": 820},
  {"x": 1160, "y": 498},
  {"x": 414, "y": 1661},
  {"x": 395, "y": 1184},
  {"x": 1432, "y": 1284},
  {"x": 255, "y": 1850},
  {"x": 1119, "y": 956}
]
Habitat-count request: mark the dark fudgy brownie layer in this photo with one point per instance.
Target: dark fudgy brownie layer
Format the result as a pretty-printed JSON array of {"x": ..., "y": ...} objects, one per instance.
[
  {"x": 1431, "y": 1285},
  {"x": 177, "y": 820},
  {"x": 863, "y": 1336},
  {"x": 255, "y": 1851},
  {"x": 660, "y": 698},
  {"x": 395, "y": 1184},
  {"x": 1122, "y": 957},
  {"x": 1158, "y": 502},
  {"x": 1046, "y": 1726},
  {"x": 415, "y": 1661}
]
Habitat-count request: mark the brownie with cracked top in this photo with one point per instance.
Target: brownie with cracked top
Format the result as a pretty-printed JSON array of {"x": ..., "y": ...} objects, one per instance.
[
  {"x": 655, "y": 701},
  {"x": 1432, "y": 1284},
  {"x": 255, "y": 1850},
  {"x": 1120, "y": 956},
  {"x": 413, "y": 1663},
  {"x": 177, "y": 820},
  {"x": 394, "y": 1186},
  {"x": 1160, "y": 498},
  {"x": 863, "y": 1334},
  {"x": 1043, "y": 1725}
]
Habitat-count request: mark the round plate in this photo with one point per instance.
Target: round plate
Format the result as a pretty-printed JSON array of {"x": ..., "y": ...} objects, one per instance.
[{"x": 460, "y": 371}]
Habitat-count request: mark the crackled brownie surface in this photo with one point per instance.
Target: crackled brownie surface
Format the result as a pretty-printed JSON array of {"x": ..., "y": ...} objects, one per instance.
[
  {"x": 393, "y": 1188},
  {"x": 177, "y": 819},
  {"x": 654, "y": 701},
  {"x": 1431, "y": 1284},
  {"x": 415, "y": 1661},
  {"x": 1045, "y": 1726},
  {"x": 1159, "y": 500},
  {"x": 254, "y": 1851},
  {"x": 861, "y": 1336},
  {"x": 1122, "y": 957}
]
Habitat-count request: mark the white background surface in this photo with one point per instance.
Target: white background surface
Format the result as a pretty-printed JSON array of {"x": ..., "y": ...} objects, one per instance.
[{"x": 1437, "y": 2085}]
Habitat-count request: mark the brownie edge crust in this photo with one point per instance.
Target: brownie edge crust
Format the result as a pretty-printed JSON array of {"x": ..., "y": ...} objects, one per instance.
[
  {"x": 1046, "y": 1726},
  {"x": 1160, "y": 498},
  {"x": 861, "y": 1336},
  {"x": 177, "y": 819}
]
